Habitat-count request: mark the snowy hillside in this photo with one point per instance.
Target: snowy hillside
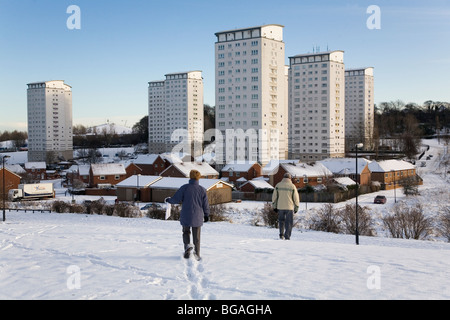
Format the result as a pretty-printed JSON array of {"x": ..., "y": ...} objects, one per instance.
[
  {"x": 118, "y": 258},
  {"x": 80, "y": 256}
]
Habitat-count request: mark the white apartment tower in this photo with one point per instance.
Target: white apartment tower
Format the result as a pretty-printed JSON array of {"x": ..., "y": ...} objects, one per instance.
[
  {"x": 359, "y": 106},
  {"x": 317, "y": 106},
  {"x": 251, "y": 94},
  {"x": 175, "y": 108},
  {"x": 49, "y": 121}
]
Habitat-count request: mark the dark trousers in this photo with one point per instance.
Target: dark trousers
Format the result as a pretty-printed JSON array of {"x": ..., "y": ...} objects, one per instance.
[
  {"x": 285, "y": 222},
  {"x": 195, "y": 238}
]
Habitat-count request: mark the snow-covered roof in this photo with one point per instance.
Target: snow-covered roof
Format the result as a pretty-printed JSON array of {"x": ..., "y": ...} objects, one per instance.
[
  {"x": 144, "y": 181},
  {"x": 185, "y": 168},
  {"x": 259, "y": 184},
  {"x": 35, "y": 165},
  {"x": 345, "y": 181},
  {"x": 273, "y": 164},
  {"x": 345, "y": 165},
  {"x": 7, "y": 169},
  {"x": 82, "y": 169},
  {"x": 390, "y": 165},
  {"x": 104, "y": 169},
  {"x": 176, "y": 183},
  {"x": 15, "y": 168},
  {"x": 310, "y": 170},
  {"x": 238, "y": 166},
  {"x": 173, "y": 157},
  {"x": 145, "y": 159}
]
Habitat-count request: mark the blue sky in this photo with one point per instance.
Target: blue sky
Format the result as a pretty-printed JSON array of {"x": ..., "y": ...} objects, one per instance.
[{"x": 124, "y": 44}]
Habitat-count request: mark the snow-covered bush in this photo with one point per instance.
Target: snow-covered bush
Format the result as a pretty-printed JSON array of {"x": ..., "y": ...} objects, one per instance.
[
  {"x": 408, "y": 222},
  {"x": 348, "y": 220},
  {"x": 326, "y": 219},
  {"x": 444, "y": 223},
  {"x": 268, "y": 216}
]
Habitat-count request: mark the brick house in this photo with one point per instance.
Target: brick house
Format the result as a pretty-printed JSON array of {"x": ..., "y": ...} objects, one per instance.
[
  {"x": 256, "y": 185},
  {"x": 12, "y": 181},
  {"x": 36, "y": 171},
  {"x": 237, "y": 170},
  {"x": 390, "y": 173},
  {"x": 346, "y": 167},
  {"x": 106, "y": 173},
  {"x": 147, "y": 164},
  {"x": 303, "y": 174},
  {"x": 80, "y": 172}
]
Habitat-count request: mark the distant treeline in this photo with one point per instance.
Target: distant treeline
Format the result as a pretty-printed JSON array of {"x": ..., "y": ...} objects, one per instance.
[{"x": 18, "y": 137}]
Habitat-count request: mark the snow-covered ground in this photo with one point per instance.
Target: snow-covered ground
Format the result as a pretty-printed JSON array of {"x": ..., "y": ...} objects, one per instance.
[{"x": 80, "y": 256}]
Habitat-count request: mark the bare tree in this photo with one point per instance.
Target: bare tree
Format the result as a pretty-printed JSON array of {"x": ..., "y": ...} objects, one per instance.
[
  {"x": 408, "y": 222},
  {"x": 365, "y": 221},
  {"x": 444, "y": 223}
]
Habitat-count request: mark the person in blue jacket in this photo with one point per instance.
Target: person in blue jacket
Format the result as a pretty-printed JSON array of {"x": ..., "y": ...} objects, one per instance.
[{"x": 194, "y": 211}]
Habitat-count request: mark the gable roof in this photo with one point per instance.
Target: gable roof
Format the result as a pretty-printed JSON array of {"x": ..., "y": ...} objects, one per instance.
[
  {"x": 273, "y": 164},
  {"x": 83, "y": 169},
  {"x": 310, "y": 170},
  {"x": 15, "y": 168},
  {"x": 185, "y": 168},
  {"x": 239, "y": 166},
  {"x": 345, "y": 165},
  {"x": 345, "y": 181},
  {"x": 145, "y": 159},
  {"x": 35, "y": 165},
  {"x": 105, "y": 169},
  {"x": 259, "y": 184},
  {"x": 13, "y": 173},
  {"x": 144, "y": 181},
  {"x": 390, "y": 165}
]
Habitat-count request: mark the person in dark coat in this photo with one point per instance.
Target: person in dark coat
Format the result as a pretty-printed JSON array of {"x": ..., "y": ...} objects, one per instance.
[{"x": 194, "y": 211}]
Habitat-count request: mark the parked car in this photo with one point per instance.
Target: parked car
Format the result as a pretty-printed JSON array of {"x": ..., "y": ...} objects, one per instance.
[{"x": 380, "y": 199}]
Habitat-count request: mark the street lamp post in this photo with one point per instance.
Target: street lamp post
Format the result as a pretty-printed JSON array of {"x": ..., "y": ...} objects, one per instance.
[
  {"x": 395, "y": 189},
  {"x": 4, "y": 187},
  {"x": 305, "y": 178},
  {"x": 357, "y": 146},
  {"x": 138, "y": 190}
]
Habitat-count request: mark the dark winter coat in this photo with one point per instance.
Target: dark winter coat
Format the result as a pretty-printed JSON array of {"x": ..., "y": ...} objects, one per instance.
[{"x": 195, "y": 206}]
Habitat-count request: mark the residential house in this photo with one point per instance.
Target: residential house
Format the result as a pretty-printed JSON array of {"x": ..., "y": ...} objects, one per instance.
[
  {"x": 256, "y": 185},
  {"x": 35, "y": 171},
  {"x": 147, "y": 164},
  {"x": 390, "y": 173},
  {"x": 237, "y": 170},
  {"x": 80, "y": 172},
  {"x": 12, "y": 181},
  {"x": 136, "y": 188},
  {"x": 106, "y": 174},
  {"x": 313, "y": 174},
  {"x": 346, "y": 167}
]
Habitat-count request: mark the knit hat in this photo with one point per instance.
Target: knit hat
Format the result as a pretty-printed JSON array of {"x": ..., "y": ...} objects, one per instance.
[
  {"x": 287, "y": 175},
  {"x": 194, "y": 174}
]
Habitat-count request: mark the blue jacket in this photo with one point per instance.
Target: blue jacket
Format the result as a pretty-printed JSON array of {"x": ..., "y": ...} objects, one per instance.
[{"x": 195, "y": 205}]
